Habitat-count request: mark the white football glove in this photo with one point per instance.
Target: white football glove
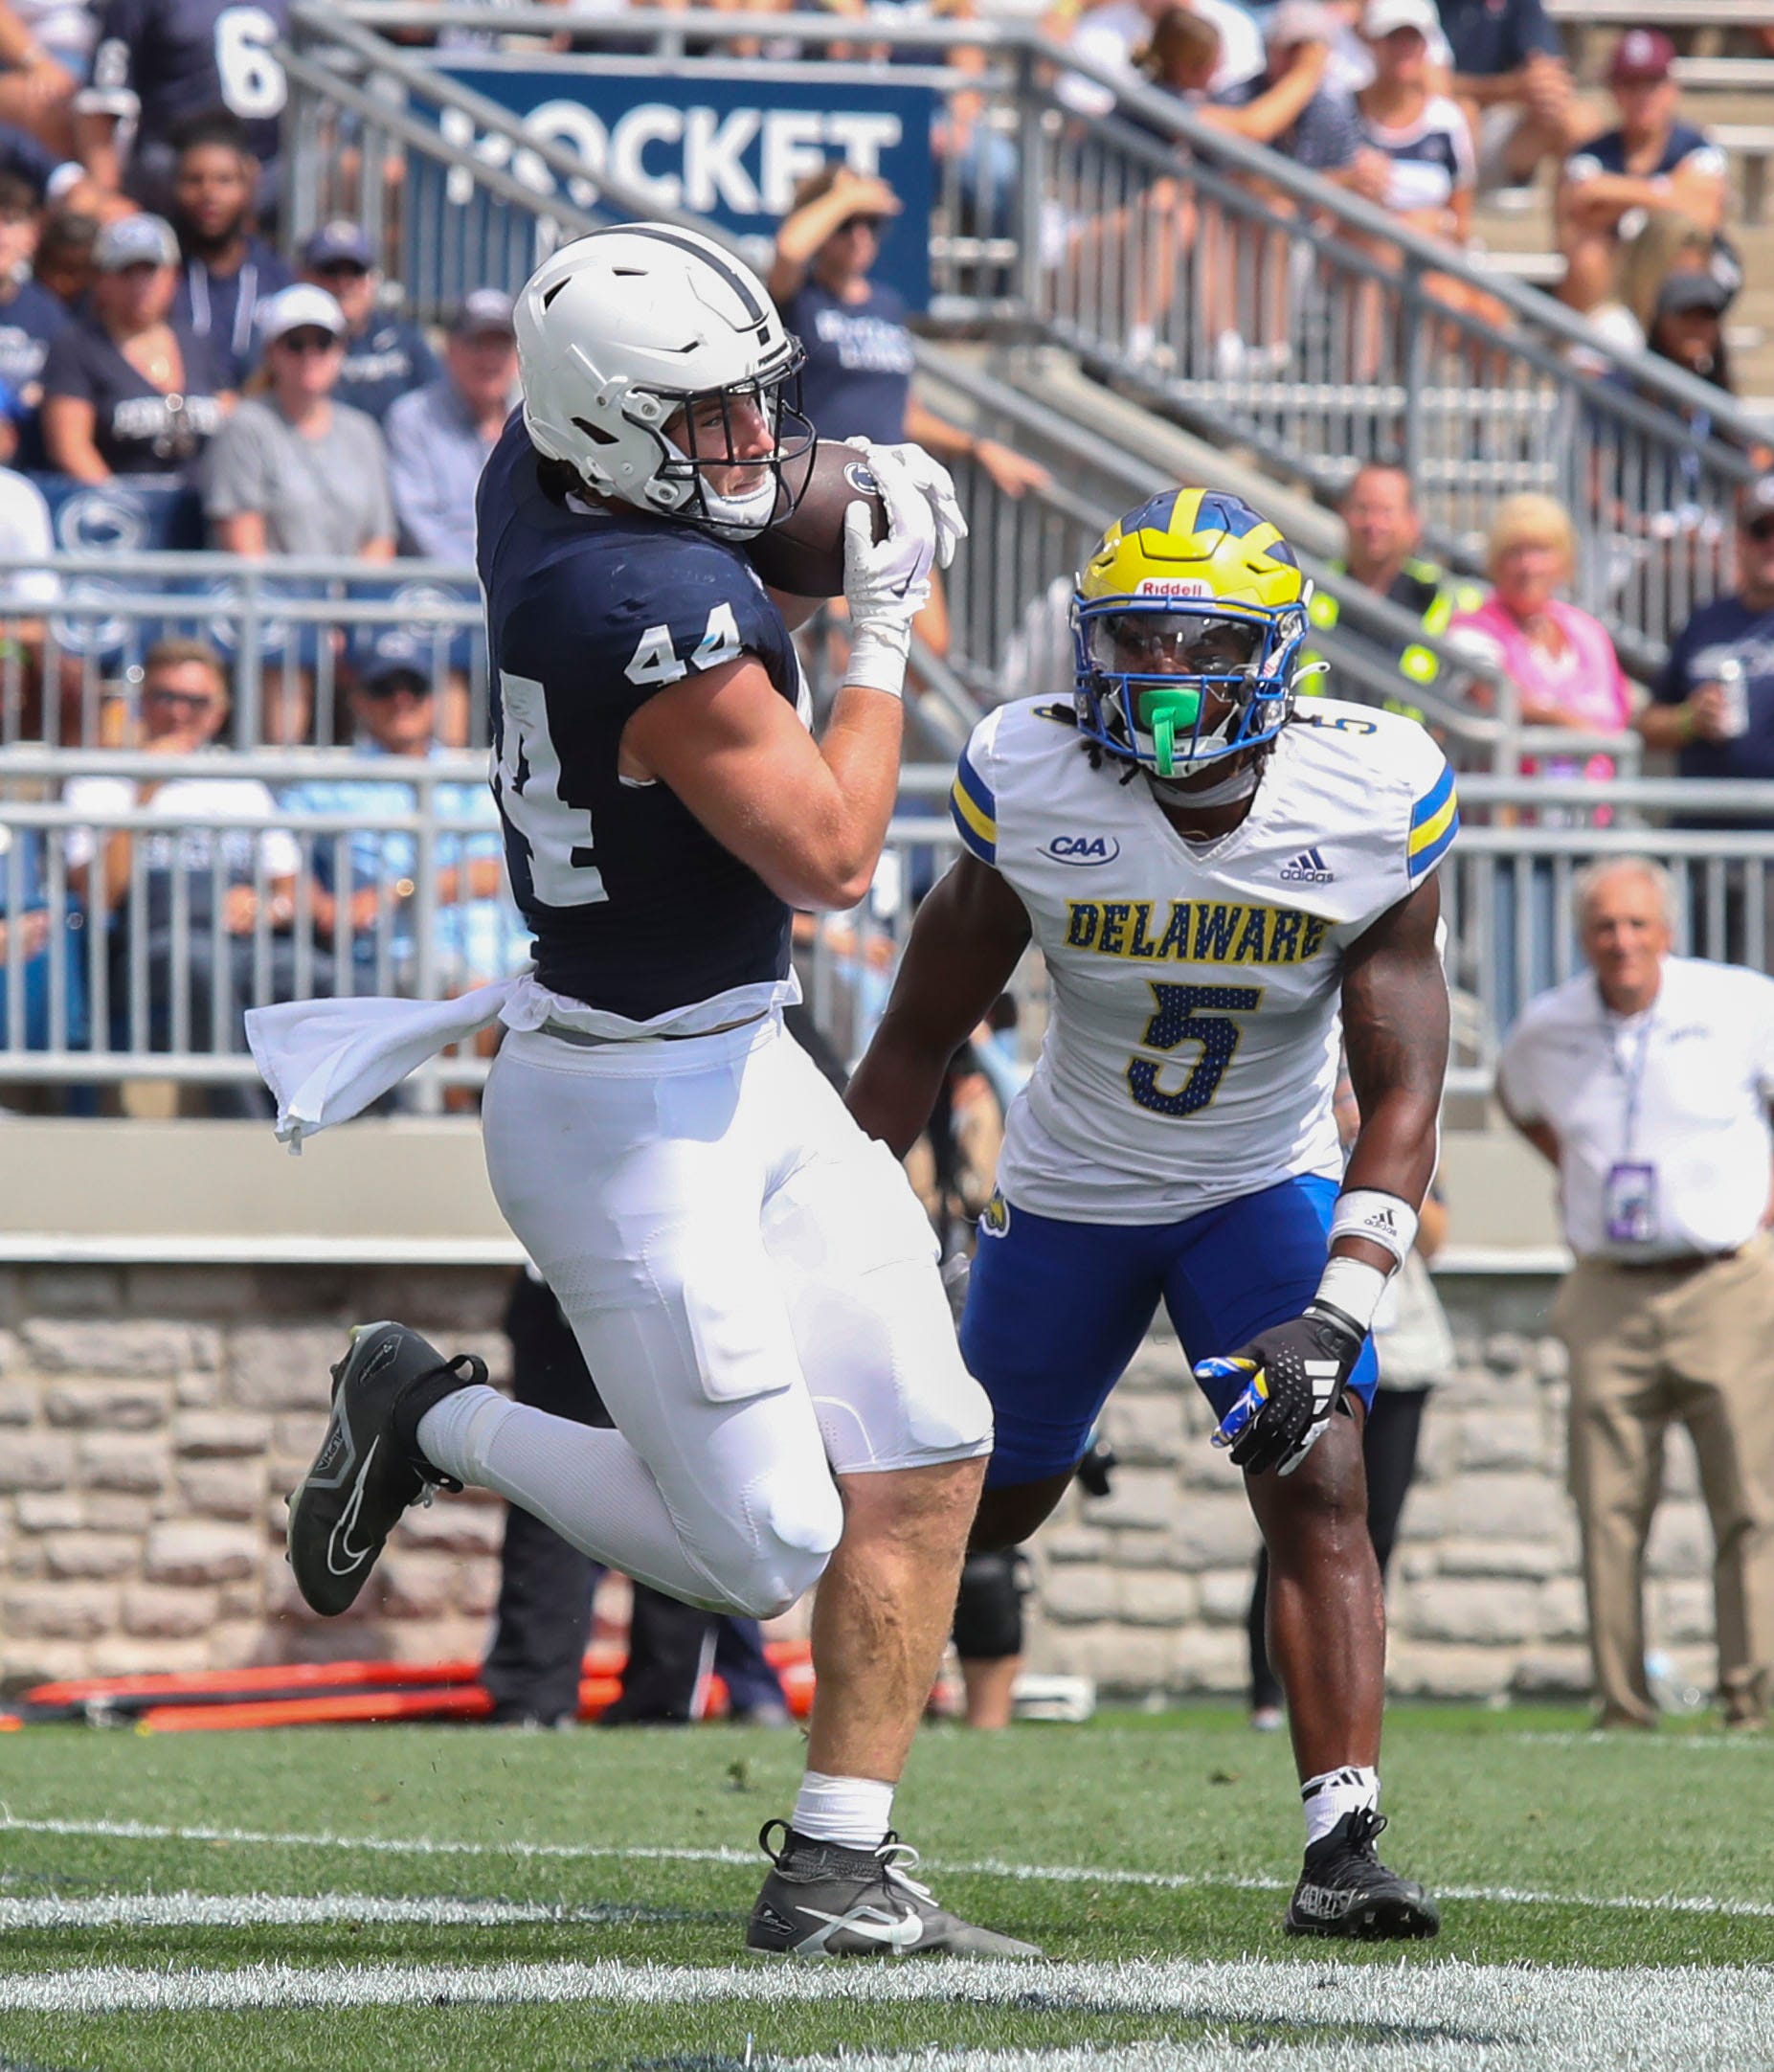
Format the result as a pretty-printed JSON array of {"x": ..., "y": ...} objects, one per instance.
[
  {"x": 886, "y": 583},
  {"x": 936, "y": 484}
]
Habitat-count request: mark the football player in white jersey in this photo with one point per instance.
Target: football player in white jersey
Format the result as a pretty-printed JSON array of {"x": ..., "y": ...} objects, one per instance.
[{"x": 1214, "y": 880}]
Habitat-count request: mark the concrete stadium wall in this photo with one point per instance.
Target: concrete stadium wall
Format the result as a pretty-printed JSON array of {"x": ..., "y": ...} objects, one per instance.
[{"x": 153, "y": 1417}]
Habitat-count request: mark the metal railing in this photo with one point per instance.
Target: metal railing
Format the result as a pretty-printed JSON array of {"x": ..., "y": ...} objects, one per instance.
[
  {"x": 294, "y": 635},
  {"x": 210, "y": 912},
  {"x": 138, "y": 932},
  {"x": 1208, "y": 275}
]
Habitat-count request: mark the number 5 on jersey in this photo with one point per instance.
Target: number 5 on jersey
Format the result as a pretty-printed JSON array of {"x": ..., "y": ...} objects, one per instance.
[{"x": 1179, "y": 1019}]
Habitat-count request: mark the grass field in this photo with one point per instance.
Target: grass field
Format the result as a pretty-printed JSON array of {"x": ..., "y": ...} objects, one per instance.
[{"x": 455, "y": 1899}]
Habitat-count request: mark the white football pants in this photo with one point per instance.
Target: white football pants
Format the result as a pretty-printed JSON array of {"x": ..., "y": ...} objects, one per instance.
[{"x": 754, "y": 1288}]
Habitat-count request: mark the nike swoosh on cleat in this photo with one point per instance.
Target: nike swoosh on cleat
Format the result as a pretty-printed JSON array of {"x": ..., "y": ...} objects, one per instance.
[
  {"x": 902, "y": 1932},
  {"x": 340, "y": 1539}
]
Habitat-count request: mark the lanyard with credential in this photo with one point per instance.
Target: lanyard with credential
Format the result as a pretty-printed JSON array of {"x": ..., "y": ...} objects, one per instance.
[{"x": 1633, "y": 1075}]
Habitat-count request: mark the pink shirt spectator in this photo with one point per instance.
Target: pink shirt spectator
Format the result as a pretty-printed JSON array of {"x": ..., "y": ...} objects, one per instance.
[{"x": 1584, "y": 687}]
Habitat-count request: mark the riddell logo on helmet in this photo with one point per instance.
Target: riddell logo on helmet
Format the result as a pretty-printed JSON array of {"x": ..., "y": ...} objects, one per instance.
[{"x": 1173, "y": 586}]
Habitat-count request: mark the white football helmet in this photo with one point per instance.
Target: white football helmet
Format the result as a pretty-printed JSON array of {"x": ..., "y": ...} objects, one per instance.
[{"x": 621, "y": 330}]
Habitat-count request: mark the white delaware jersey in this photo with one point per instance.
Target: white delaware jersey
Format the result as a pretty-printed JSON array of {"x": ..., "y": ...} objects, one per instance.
[{"x": 1191, "y": 1055}]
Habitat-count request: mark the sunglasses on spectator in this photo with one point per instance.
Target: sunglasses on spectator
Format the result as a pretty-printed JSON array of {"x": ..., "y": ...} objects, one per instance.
[
  {"x": 869, "y": 223},
  {"x": 1760, "y": 528},
  {"x": 310, "y": 341},
  {"x": 341, "y": 270},
  {"x": 195, "y": 701},
  {"x": 397, "y": 686}
]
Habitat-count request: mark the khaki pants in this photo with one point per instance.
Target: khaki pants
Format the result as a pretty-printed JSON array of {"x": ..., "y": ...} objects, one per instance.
[{"x": 1651, "y": 1346}]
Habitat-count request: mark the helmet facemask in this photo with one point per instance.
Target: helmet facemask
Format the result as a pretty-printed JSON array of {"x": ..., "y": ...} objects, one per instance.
[
  {"x": 712, "y": 477},
  {"x": 1175, "y": 685}
]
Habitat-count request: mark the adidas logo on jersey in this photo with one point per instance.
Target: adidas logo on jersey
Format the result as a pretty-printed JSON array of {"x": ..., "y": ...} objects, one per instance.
[{"x": 1307, "y": 869}]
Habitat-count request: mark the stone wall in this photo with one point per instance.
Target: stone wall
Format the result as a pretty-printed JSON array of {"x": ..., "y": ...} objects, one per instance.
[
  {"x": 1148, "y": 1588},
  {"x": 152, "y": 1419}
]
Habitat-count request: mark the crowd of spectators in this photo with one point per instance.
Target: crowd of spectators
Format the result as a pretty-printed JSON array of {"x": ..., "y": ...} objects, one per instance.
[
  {"x": 153, "y": 333},
  {"x": 1419, "y": 107}
]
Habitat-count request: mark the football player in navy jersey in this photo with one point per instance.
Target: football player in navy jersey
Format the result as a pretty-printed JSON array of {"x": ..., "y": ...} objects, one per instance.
[
  {"x": 751, "y": 1279},
  {"x": 160, "y": 62}
]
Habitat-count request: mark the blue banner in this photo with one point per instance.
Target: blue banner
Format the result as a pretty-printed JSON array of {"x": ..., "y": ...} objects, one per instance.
[{"x": 732, "y": 148}]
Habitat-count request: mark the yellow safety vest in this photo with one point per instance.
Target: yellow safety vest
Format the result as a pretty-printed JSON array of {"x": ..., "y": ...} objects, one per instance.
[{"x": 1432, "y": 600}]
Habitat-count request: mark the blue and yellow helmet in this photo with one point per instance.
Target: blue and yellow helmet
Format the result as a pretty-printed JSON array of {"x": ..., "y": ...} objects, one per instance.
[{"x": 1188, "y": 622}]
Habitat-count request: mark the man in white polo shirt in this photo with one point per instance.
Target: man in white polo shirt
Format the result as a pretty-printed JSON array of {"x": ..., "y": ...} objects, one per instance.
[{"x": 1646, "y": 1082}]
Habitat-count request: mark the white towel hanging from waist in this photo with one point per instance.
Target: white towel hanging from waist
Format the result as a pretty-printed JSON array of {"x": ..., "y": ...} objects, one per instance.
[{"x": 326, "y": 1060}]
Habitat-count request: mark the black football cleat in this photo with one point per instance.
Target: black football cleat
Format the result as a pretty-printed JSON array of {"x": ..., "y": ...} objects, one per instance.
[
  {"x": 824, "y": 1900},
  {"x": 1345, "y": 1890},
  {"x": 366, "y": 1473}
]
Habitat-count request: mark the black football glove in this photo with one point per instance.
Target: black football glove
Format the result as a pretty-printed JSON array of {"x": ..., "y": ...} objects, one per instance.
[{"x": 1297, "y": 1374}]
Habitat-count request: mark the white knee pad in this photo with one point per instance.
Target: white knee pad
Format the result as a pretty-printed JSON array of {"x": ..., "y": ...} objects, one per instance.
[{"x": 776, "y": 1543}]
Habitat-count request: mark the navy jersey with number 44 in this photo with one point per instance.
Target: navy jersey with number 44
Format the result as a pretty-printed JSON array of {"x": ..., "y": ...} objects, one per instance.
[{"x": 636, "y": 908}]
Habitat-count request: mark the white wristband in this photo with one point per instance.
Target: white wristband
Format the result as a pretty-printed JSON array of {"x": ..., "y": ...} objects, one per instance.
[
  {"x": 1353, "y": 1288},
  {"x": 1385, "y": 1219},
  {"x": 878, "y": 659}
]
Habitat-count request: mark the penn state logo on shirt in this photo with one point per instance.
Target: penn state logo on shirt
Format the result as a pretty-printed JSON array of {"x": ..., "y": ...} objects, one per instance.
[{"x": 1083, "y": 848}]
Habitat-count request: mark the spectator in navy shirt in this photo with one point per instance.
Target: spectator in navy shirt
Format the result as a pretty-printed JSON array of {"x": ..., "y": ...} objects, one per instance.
[
  {"x": 1651, "y": 160},
  {"x": 386, "y": 357},
  {"x": 227, "y": 272},
  {"x": 857, "y": 381},
  {"x": 31, "y": 318},
  {"x": 1688, "y": 713},
  {"x": 1509, "y": 73},
  {"x": 160, "y": 62},
  {"x": 127, "y": 390},
  {"x": 858, "y": 376}
]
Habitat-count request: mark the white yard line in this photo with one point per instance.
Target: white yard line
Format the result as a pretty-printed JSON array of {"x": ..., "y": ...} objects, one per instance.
[
  {"x": 1434, "y": 2017},
  {"x": 286, "y": 1910},
  {"x": 1742, "y": 1743},
  {"x": 1068, "y": 1874}
]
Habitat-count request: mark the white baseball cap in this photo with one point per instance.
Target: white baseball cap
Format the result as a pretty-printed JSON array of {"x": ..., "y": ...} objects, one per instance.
[
  {"x": 1383, "y": 17},
  {"x": 302, "y": 307}
]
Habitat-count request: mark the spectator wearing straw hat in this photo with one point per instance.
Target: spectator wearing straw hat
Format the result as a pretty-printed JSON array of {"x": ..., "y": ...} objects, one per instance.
[
  {"x": 294, "y": 471},
  {"x": 1649, "y": 161}
]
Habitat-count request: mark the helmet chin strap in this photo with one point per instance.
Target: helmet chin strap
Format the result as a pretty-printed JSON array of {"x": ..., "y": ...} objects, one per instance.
[
  {"x": 729, "y": 517},
  {"x": 1237, "y": 784}
]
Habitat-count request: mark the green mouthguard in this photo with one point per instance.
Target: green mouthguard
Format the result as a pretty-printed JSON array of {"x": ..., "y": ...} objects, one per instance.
[{"x": 1163, "y": 714}]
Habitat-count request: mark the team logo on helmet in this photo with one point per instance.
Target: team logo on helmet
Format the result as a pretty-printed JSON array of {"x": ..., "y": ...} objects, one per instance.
[{"x": 1188, "y": 622}]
